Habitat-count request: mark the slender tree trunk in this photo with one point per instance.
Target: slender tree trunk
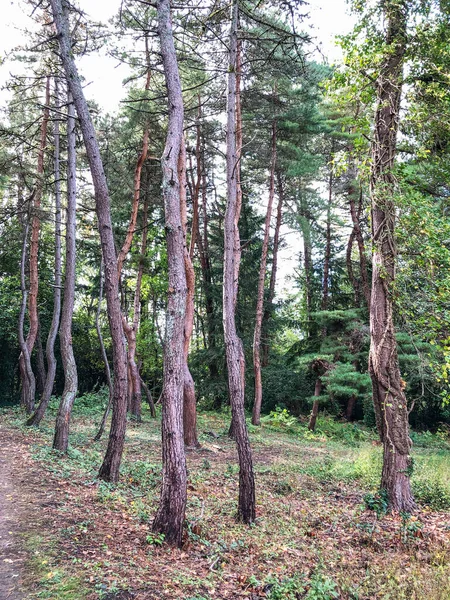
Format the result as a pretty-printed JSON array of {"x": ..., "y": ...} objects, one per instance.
[
  {"x": 27, "y": 376},
  {"x": 189, "y": 400},
  {"x": 325, "y": 294},
  {"x": 41, "y": 374},
  {"x": 261, "y": 283},
  {"x": 111, "y": 463},
  {"x": 305, "y": 225},
  {"x": 315, "y": 407},
  {"x": 61, "y": 438},
  {"x": 28, "y": 393},
  {"x": 273, "y": 274},
  {"x": 170, "y": 515},
  {"x": 233, "y": 344},
  {"x": 389, "y": 398},
  {"x": 130, "y": 330},
  {"x": 38, "y": 415},
  {"x": 356, "y": 234},
  {"x": 98, "y": 328}
]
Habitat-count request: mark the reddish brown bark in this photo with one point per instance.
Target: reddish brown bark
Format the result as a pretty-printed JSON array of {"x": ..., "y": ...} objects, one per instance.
[
  {"x": 170, "y": 515},
  {"x": 390, "y": 403},
  {"x": 28, "y": 394},
  {"x": 261, "y": 284},
  {"x": 233, "y": 344},
  {"x": 189, "y": 400}
]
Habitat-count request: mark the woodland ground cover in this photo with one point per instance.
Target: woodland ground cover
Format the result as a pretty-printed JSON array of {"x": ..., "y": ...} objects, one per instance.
[{"x": 321, "y": 532}]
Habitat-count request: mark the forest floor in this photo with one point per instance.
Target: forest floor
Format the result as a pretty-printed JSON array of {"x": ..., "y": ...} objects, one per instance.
[{"x": 76, "y": 538}]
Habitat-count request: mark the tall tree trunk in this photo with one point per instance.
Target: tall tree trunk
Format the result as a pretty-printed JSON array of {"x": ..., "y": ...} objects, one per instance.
[
  {"x": 233, "y": 344},
  {"x": 130, "y": 330},
  {"x": 61, "y": 438},
  {"x": 325, "y": 294},
  {"x": 28, "y": 393},
  {"x": 305, "y": 226},
  {"x": 390, "y": 404},
  {"x": 261, "y": 283},
  {"x": 273, "y": 274},
  {"x": 38, "y": 415},
  {"x": 111, "y": 463},
  {"x": 27, "y": 376},
  {"x": 189, "y": 400},
  {"x": 98, "y": 328},
  {"x": 356, "y": 234},
  {"x": 170, "y": 515}
]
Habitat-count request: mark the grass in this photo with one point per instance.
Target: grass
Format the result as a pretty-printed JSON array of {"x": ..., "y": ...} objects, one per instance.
[{"x": 313, "y": 537}]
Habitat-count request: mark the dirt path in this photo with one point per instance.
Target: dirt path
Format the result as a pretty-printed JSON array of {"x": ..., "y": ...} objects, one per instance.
[{"x": 18, "y": 502}]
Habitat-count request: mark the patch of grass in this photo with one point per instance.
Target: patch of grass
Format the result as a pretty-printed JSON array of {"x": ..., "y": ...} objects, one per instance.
[{"x": 51, "y": 580}]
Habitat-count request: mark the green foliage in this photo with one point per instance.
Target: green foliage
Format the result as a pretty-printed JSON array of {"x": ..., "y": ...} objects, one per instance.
[
  {"x": 280, "y": 419},
  {"x": 378, "y": 502}
]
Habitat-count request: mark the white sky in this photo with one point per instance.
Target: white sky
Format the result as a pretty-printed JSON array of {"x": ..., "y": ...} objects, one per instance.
[{"x": 104, "y": 76}]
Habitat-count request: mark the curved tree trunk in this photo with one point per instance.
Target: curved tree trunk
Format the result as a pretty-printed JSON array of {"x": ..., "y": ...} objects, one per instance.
[
  {"x": 315, "y": 406},
  {"x": 61, "y": 439},
  {"x": 261, "y": 283},
  {"x": 111, "y": 463},
  {"x": 27, "y": 376},
  {"x": 233, "y": 344},
  {"x": 390, "y": 404},
  {"x": 37, "y": 417},
  {"x": 170, "y": 515},
  {"x": 28, "y": 394}
]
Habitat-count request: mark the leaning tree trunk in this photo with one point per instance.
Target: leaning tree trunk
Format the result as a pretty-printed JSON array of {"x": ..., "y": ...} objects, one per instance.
[
  {"x": 37, "y": 417},
  {"x": 189, "y": 400},
  {"x": 390, "y": 403},
  {"x": 61, "y": 438},
  {"x": 261, "y": 282},
  {"x": 233, "y": 344},
  {"x": 170, "y": 515},
  {"x": 111, "y": 463},
  {"x": 28, "y": 393}
]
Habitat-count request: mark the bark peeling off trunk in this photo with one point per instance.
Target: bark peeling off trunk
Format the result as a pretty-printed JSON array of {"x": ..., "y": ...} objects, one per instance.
[
  {"x": 169, "y": 518},
  {"x": 111, "y": 463},
  {"x": 388, "y": 395},
  {"x": 233, "y": 345}
]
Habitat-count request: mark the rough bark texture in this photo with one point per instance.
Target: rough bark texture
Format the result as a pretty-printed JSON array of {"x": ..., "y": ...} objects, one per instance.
[
  {"x": 28, "y": 394},
  {"x": 273, "y": 273},
  {"x": 233, "y": 344},
  {"x": 61, "y": 439},
  {"x": 111, "y": 463},
  {"x": 261, "y": 283},
  {"x": 38, "y": 415},
  {"x": 189, "y": 400},
  {"x": 389, "y": 398},
  {"x": 170, "y": 515}
]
